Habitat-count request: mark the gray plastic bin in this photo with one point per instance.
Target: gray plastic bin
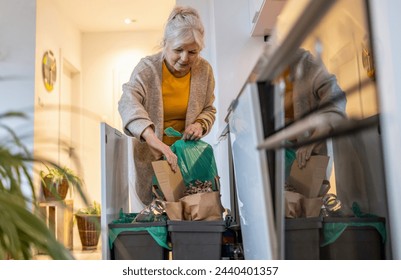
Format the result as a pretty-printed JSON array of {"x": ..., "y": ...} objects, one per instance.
[
  {"x": 196, "y": 240},
  {"x": 362, "y": 239},
  {"x": 302, "y": 238},
  {"x": 137, "y": 245}
]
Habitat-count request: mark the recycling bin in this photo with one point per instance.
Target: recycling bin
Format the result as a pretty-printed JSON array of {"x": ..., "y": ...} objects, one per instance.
[
  {"x": 196, "y": 240},
  {"x": 302, "y": 238},
  {"x": 352, "y": 238},
  {"x": 138, "y": 241}
]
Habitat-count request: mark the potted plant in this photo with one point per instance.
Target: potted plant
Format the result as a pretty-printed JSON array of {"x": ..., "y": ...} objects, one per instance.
[
  {"x": 88, "y": 221},
  {"x": 56, "y": 181}
]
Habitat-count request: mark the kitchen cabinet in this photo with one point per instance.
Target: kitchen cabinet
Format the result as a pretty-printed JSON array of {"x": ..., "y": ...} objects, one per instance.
[{"x": 263, "y": 15}]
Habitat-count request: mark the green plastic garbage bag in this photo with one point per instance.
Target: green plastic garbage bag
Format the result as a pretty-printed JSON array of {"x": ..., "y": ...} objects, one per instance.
[
  {"x": 195, "y": 160},
  {"x": 290, "y": 156},
  {"x": 159, "y": 233},
  {"x": 332, "y": 231}
]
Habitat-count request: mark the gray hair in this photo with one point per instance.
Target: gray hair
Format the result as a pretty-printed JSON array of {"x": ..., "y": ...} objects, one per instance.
[{"x": 183, "y": 26}]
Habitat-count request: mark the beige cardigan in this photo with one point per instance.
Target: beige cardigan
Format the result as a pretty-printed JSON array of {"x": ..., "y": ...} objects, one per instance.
[{"x": 141, "y": 105}]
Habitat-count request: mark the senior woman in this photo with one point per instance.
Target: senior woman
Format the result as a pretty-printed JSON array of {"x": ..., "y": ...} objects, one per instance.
[{"x": 173, "y": 88}]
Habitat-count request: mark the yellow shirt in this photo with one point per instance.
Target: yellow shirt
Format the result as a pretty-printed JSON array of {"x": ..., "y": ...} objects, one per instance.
[
  {"x": 288, "y": 102},
  {"x": 175, "y": 101}
]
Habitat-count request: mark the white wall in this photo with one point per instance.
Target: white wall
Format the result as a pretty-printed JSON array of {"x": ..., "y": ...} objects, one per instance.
[
  {"x": 54, "y": 32},
  {"x": 17, "y": 55},
  {"x": 17, "y": 61}
]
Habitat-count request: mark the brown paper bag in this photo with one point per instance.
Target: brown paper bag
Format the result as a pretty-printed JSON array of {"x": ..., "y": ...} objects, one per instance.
[
  {"x": 308, "y": 180},
  {"x": 297, "y": 205},
  {"x": 293, "y": 204},
  {"x": 174, "y": 210},
  {"x": 202, "y": 207},
  {"x": 312, "y": 206}
]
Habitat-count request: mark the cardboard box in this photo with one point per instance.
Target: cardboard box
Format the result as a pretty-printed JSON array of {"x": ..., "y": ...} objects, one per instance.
[{"x": 171, "y": 184}]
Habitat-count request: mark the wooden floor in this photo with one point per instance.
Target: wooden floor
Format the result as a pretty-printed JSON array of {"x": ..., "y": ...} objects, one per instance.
[{"x": 78, "y": 255}]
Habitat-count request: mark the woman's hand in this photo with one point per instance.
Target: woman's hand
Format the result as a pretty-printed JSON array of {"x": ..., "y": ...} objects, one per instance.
[
  {"x": 304, "y": 153},
  {"x": 193, "y": 132},
  {"x": 159, "y": 149}
]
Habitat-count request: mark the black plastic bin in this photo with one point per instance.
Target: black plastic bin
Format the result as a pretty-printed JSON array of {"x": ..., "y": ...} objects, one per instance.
[
  {"x": 362, "y": 238},
  {"x": 302, "y": 238},
  {"x": 135, "y": 244},
  {"x": 196, "y": 240}
]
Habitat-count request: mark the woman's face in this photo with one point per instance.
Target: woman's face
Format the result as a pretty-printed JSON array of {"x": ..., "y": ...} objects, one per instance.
[{"x": 180, "y": 58}]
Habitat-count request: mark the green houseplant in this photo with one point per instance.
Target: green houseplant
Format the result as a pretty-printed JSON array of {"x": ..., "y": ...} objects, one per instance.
[
  {"x": 21, "y": 231},
  {"x": 56, "y": 181},
  {"x": 88, "y": 221}
]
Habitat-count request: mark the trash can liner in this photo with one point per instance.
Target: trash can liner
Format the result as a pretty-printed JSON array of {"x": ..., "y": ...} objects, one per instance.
[
  {"x": 332, "y": 231},
  {"x": 290, "y": 156},
  {"x": 159, "y": 234},
  {"x": 195, "y": 159},
  {"x": 125, "y": 218}
]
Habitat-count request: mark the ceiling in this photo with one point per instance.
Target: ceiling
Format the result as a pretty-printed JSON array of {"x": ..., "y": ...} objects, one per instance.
[{"x": 109, "y": 15}]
